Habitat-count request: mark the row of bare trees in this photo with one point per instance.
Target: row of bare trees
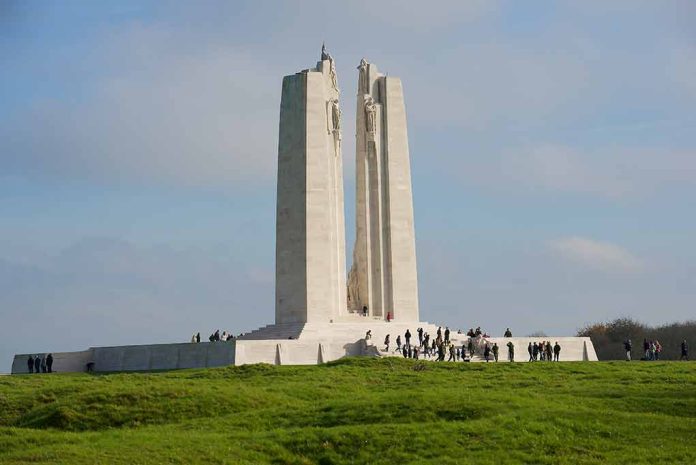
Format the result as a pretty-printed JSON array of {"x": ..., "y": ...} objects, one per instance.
[{"x": 608, "y": 337}]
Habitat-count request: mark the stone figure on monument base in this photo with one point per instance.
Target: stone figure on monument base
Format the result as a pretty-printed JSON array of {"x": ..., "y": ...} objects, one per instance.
[
  {"x": 370, "y": 112},
  {"x": 363, "y": 83}
]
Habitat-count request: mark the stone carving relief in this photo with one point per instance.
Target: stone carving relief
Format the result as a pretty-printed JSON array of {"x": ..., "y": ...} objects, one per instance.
[
  {"x": 363, "y": 84},
  {"x": 332, "y": 73},
  {"x": 370, "y": 115}
]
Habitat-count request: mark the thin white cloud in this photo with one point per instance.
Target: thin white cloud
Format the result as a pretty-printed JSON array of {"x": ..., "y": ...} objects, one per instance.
[
  {"x": 602, "y": 256},
  {"x": 158, "y": 112}
]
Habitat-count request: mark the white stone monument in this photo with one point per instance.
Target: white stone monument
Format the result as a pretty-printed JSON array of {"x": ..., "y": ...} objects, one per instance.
[
  {"x": 310, "y": 223},
  {"x": 383, "y": 277},
  {"x": 318, "y": 317}
]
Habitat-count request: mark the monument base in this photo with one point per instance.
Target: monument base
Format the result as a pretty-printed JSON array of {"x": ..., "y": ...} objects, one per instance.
[{"x": 290, "y": 344}]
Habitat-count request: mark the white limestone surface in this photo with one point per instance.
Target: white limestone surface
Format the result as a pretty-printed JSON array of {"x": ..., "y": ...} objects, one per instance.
[
  {"x": 383, "y": 276},
  {"x": 310, "y": 223}
]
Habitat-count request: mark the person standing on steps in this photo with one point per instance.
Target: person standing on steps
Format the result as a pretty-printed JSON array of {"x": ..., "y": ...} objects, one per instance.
[
  {"x": 495, "y": 351},
  {"x": 556, "y": 352},
  {"x": 389, "y": 317},
  {"x": 627, "y": 348},
  {"x": 30, "y": 364},
  {"x": 511, "y": 351}
]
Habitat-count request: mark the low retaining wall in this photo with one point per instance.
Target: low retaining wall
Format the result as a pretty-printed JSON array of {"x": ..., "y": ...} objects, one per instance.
[{"x": 137, "y": 358}]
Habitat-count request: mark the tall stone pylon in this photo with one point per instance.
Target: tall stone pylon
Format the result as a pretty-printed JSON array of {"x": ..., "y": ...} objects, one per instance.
[
  {"x": 383, "y": 275},
  {"x": 310, "y": 222}
]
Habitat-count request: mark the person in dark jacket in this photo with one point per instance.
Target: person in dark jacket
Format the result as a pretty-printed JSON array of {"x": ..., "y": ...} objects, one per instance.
[
  {"x": 37, "y": 364},
  {"x": 530, "y": 349},
  {"x": 198, "y": 337},
  {"x": 684, "y": 351},
  {"x": 420, "y": 336},
  {"x": 30, "y": 364},
  {"x": 398, "y": 342},
  {"x": 511, "y": 351},
  {"x": 405, "y": 352},
  {"x": 627, "y": 348},
  {"x": 556, "y": 352},
  {"x": 49, "y": 363},
  {"x": 408, "y": 337},
  {"x": 495, "y": 351},
  {"x": 486, "y": 352},
  {"x": 386, "y": 343},
  {"x": 508, "y": 333},
  {"x": 447, "y": 333}
]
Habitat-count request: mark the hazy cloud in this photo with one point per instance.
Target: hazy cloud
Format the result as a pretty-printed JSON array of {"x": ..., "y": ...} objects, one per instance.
[
  {"x": 602, "y": 256},
  {"x": 160, "y": 112}
]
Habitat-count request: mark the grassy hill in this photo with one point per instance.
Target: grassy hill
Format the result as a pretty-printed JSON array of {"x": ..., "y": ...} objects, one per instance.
[{"x": 358, "y": 411}]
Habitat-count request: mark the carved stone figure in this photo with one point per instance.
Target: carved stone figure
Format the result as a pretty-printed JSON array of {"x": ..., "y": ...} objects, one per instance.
[
  {"x": 335, "y": 115},
  {"x": 370, "y": 112},
  {"x": 362, "y": 81},
  {"x": 332, "y": 73},
  {"x": 324, "y": 54}
]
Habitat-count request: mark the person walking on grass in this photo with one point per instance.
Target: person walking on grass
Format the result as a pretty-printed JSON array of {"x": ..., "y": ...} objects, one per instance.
[
  {"x": 549, "y": 351},
  {"x": 398, "y": 343},
  {"x": 627, "y": 348},
  {"x": 556, "y": 352},
  {"x": 386, "y": 343},
  {"x": 495, "y": 351},
  {"x": 530, "y": 349},
  {"x": 658, "y": 349},
  {"x": 684, "y": 351}
]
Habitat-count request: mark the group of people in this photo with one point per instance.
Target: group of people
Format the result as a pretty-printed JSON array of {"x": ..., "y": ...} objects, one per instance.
[
  {"x": 441, "y": 347},
  {"x": 43, "y": 364},
  {"x": 653, "y": 349},
  {"x": 214, "y": 337},
  {"x": 544, "y": 351}
]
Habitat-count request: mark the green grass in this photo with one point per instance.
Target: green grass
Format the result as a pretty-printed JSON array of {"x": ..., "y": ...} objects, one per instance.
[{"x": 358, "y": 411}]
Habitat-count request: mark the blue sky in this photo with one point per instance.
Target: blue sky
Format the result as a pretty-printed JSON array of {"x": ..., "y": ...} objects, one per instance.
[{"x": 553, "y": 150}]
